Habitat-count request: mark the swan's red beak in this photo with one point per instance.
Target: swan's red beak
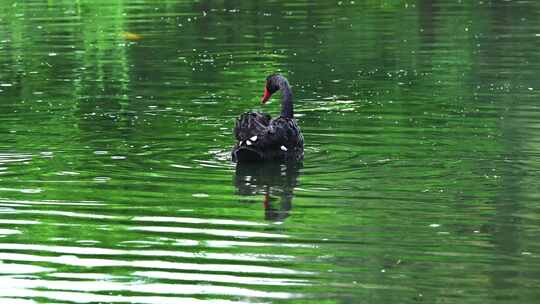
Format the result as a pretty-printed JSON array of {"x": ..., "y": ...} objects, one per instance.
[{"x": 266, "y": 96}]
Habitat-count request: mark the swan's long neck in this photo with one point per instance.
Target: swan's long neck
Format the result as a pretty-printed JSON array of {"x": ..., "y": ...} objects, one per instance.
[{"x": 287, "y": 101}]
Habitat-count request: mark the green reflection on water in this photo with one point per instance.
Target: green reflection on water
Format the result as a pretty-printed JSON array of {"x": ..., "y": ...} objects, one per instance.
[{"x": 419, "y": 182}]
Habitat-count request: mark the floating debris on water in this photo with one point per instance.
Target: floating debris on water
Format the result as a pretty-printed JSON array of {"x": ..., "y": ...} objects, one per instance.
[{"x": 131, "y": 36}]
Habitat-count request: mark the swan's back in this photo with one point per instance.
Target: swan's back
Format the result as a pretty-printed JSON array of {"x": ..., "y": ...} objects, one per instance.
[
  {"x": 260, "y": 138},
  {"x": 250, "y": 124}
]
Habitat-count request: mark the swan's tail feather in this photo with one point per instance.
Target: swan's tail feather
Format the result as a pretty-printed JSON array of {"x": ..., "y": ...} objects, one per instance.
[{"x": 246, "y": 154}]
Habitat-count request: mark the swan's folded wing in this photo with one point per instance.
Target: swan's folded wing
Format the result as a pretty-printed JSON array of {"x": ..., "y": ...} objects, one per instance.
[
  {"x": 250, "y": 124},
  {"x": 281, "y": 132}
]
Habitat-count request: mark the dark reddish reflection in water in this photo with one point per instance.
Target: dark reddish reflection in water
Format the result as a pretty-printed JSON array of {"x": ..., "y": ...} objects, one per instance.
[{"x": 275, "y": 181}]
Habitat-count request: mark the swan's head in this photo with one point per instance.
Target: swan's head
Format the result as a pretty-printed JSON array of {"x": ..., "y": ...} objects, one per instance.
[{"x": 273, "y": 84}]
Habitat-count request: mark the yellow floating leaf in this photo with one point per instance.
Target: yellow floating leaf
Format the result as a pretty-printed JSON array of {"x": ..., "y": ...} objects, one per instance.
[{"x": 131, "y": 36}]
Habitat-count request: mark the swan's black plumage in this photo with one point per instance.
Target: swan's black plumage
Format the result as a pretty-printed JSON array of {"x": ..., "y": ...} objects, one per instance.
[{"x": 260, "y": 138}]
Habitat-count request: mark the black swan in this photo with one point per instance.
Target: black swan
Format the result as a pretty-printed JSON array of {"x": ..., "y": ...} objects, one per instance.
[{"x": 260, "y": 138}]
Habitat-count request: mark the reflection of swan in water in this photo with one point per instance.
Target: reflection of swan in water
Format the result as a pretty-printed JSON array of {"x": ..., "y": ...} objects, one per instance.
[{"x": 269, "y": 179}]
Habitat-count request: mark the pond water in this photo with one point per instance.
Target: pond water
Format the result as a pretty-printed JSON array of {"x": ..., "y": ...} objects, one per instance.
[{"x": 420, "y": 178}]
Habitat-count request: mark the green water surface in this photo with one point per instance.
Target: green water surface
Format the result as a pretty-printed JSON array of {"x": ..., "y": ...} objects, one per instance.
[{"x": 421, "y": 171}]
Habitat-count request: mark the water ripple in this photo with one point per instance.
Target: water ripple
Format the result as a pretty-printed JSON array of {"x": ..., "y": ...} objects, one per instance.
[
  {"x": 196, "y": 221},
  {"x": 79, "y": 251},
  {"x": 182, "y": 276},
  {"x": 156, "y": 264},
  {"x": 148, "y": 288},
  {"x": 216, "y": 232}
]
